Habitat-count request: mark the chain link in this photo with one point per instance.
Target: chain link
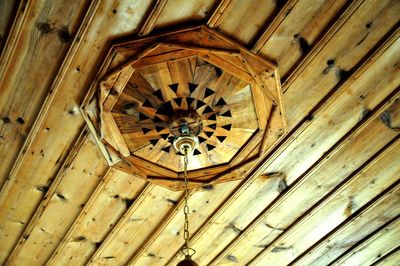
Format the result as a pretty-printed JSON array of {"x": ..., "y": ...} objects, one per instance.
[
  {"x": 186, "y": 250},
  {"x": 186, "y": 207}
]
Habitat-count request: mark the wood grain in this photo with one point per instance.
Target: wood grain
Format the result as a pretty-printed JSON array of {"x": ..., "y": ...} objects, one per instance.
[{"x": 325, "y": 192}]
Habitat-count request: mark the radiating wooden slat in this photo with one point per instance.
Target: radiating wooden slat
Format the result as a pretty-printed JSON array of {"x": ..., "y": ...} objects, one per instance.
[
  {"x": 336, "y": 55},
  {"x": 28, "y": 68},
  {"x": 59, "y": 122},
  {"x": 107, "y": 204},
  {"x": 115, "y": 134},
  {"x": 372, "y": 248},
  {"x": 62, "y": 200},
  {"x": 151, "y": 207},
  {"x": 341, "y": 104}
]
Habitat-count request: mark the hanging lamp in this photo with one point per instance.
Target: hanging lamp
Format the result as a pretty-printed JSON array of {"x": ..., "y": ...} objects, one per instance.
[{"x": 185, "y": 142}]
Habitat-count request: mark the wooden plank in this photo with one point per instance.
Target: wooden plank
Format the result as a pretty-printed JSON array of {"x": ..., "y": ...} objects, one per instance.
[
  {"x": 61, "y": 203},
  {"x": 115, "y": 134},
  {"x": 183, "y": 12},
  {"x": 117, "y": 88},
  {"x": 298, "y": 235},
  {"x": 276, "y": 218},
  {"x": 28, "y": 68},
  {"x": 241, "y": 20},
  {"x": 296, "y": 29},
  {"x": 152, "y": 18},
  {"x": 228, "y": 219},
  {"x": 202, "y": 202},
  {"x": 136, "y": 225},
  {"x": 106, "y": 206},
  {"x": 217, "y": 13},
  {"x": 163, "y": 58},
  {"x": 330, "y": 62},
  {"x": 272, "y": 27},
  {"x": 351, "y": 232},
  {"x": 235, "y": 70},
  {"x": 340, "y": 108},
  {"x": 391, "y": 259},
  {"x": 59, "y": 122},
  {"x": 14, "y": 33},
  {"x": 8, "y": 14},
  {"x": 371, "y": 249},
  {"x": 341, "y": 104}
]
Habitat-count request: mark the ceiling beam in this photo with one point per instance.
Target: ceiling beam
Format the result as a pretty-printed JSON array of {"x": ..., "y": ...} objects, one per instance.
[
  {"x": 151, "y": 19},
  {"x": 216, "y": 16},
  {"x": 14, "y": 35},
  {"x": 269, "y": 31}
]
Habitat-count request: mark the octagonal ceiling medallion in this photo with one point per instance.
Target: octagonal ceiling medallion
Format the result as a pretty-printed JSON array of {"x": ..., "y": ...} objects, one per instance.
[{"x": 147, "y": 86}]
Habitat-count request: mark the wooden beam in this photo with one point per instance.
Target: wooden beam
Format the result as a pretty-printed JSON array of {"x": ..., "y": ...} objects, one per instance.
[
  {"x": 33, "y": 45},
  {"x": 321, "y": 44},
  {"x": 150, "y": 22},
  {"x": 250, "y": 242},
  {"x": 365, "y": 223},
  {"x": 158, "y": 230},
  {"x": 14, "y": 35},
  {"x": 215, "y": 17},
  {"x": 296, "y": 29},
  {"x": 276, "y": 22}
]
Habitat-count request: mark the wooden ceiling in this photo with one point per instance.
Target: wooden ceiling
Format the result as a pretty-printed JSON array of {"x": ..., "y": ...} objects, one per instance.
[{"x": 327, "y": 193}]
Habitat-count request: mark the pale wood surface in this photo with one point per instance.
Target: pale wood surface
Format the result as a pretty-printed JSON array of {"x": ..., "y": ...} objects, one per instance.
[{"x": 327, "y": 192}]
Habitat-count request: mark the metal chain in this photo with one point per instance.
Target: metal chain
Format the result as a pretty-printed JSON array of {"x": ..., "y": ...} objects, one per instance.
[
  {"x": 186, "y": 250},
  {"x": 186, "y": 207}
]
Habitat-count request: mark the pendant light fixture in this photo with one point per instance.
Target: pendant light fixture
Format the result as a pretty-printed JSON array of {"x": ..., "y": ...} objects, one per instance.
[{"x": 185, "y": 142}]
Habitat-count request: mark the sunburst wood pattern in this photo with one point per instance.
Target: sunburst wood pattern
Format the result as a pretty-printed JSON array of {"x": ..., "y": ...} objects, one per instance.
[{"x": 219, "y": 84}]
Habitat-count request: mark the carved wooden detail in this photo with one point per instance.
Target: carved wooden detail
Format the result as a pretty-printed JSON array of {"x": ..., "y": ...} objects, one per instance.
[{"x": 233, "y": 92}]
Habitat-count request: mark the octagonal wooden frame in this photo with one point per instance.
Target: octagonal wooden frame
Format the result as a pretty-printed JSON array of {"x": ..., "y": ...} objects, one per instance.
[{"x": 212, "y": 47}]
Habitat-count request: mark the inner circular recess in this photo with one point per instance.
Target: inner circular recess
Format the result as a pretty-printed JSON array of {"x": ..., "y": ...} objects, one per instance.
[{"x": 185, "y": 122}]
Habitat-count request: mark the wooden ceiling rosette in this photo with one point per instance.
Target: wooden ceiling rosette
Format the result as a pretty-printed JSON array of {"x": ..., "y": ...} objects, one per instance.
[{"x": 235, "y": 94}]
